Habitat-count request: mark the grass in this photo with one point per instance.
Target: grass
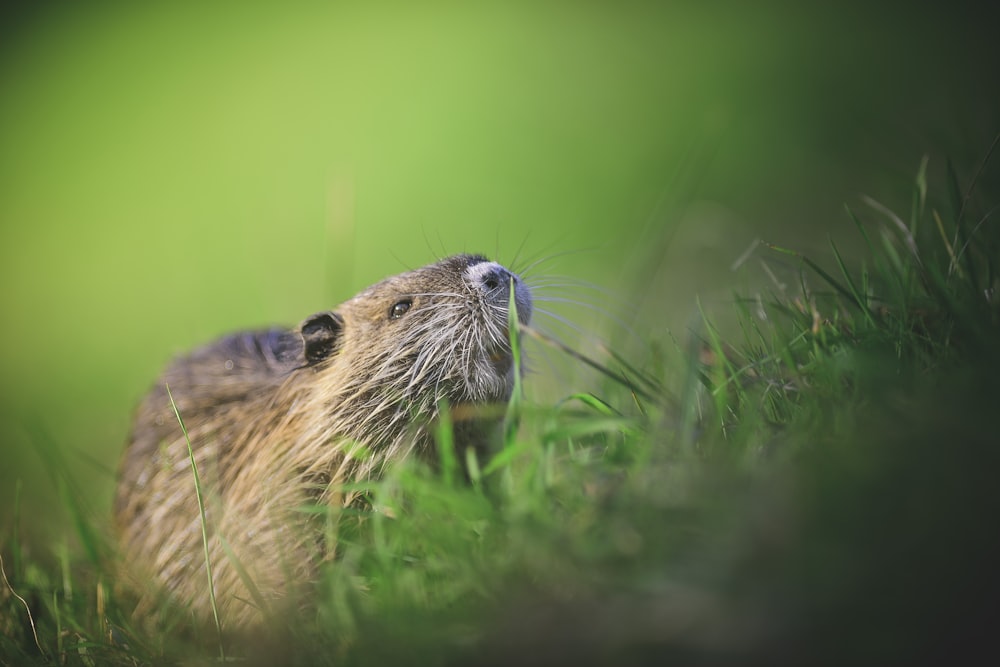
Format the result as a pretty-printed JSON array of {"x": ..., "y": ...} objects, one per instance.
[
  {"x": 816, "y": 486},
  {"x": 196, "y": 478}
]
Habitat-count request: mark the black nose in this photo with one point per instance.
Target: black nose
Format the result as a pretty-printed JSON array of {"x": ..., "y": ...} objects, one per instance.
[
  {"x": 496, "y": 278},
  {"x": 493, "y": 281}
]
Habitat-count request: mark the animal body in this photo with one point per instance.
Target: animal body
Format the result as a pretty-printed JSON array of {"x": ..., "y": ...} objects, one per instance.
[{"x": 279, "y": 419}]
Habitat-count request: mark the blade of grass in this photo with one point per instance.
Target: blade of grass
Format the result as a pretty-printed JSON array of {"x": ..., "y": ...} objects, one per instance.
[
  {"x": 979, "y": 172},
  {"x": 719, "y": 372},
  {"x": 959, "y": 202},
  {"x": 860, "y": 300},
  {"x": 27, "y": 609},
  {"x": 512, "y": 417},
  {"x": 204, "y": 523},
  {"x": 592, "y": 402},
  {"x": 472, "y": 466},
  {"x": 961, "y": 213},
  {"x": 562, "y": 347},
  {"x": 515, "y": 341},
  {"x": 650, "y": 382},
  {"x": 919, "y": 193},
  {"x": 69, "y": 491},
  {"x": 904, "y": 231},
  {"x": 244, "y": 576},
  {"x": 15, "y": 537},
  {"x": 57, "y": 613},
  {"x": 953, "y": 266},
  {"x": 502, "y": 458},
  {"x": 446, "y": 444},
  {"x": 592, "y": 426},
  {"x": 849, "y": 293},
  {"x": 861, "y": 228}
]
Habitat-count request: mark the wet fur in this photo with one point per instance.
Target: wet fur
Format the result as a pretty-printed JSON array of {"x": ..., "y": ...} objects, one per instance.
[{"x": 279, "y": 419}]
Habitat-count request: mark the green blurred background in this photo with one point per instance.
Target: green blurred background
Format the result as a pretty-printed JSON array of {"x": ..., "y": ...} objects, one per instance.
[{"x": 173, "y": 171}]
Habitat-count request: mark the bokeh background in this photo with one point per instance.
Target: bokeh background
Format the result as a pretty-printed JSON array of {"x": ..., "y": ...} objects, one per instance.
[{"x": 173, "y": 171}]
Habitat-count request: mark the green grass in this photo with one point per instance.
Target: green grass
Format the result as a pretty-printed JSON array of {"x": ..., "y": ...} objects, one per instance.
[
  {"x": 196, "y": 478},
  {"x": 817, "y": 485}
]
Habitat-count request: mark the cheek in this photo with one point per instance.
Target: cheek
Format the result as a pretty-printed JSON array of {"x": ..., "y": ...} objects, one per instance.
[
  {"x": 369, "y": 325},
  {"x": 378, "y": 313},
  {"x": 373, "y": 314}
]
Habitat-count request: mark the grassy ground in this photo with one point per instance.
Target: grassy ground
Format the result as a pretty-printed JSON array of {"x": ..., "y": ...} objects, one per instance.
[{"x": 817, "y": 487}]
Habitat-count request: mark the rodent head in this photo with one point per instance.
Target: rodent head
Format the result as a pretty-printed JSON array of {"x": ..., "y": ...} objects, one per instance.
[{"x": 440, "y": 331}]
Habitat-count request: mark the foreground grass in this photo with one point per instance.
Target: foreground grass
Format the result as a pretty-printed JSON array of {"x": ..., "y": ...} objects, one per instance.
[{"x": 818, "y": 488}]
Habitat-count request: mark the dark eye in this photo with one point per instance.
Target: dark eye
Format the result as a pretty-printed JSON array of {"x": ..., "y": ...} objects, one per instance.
[{"x": 398, "y": 310}]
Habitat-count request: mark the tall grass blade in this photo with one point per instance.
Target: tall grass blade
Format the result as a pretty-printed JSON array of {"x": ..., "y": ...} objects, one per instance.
[
  {"x": 512, "y": 418},
  {"x": 919, "y": 193},
  {"x": 850, "y": 293},
  {"x": 70, "y": 493},
  {"x": 962, "y": 254},
  {"x": 27, "y": 609},
  {"x": 859, "y": 299},
  {"x": 15, "y": 546},
  {"x": 204, "y": 523},
  {"x": 953, "y": 266},
  {"x": 720, "y": 370},
  {"x": 446, "y": 444},
  {"x": 245, "y": 577},
  {"x": 604, "y": 370},
  {"x": 961, "y": 238}
]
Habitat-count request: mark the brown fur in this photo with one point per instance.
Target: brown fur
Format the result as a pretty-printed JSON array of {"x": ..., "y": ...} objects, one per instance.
[{"x": 279, "y": 419}]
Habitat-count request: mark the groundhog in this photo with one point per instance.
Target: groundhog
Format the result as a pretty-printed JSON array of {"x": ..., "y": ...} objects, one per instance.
[{"x": 280, "y": 419}]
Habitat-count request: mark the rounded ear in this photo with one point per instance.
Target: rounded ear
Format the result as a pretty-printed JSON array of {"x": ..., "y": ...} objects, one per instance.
[{"x": 321, "y": 334}]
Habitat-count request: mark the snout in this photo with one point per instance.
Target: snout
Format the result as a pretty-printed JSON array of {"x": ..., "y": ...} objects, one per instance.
[{"x": 494, "y": 282}]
